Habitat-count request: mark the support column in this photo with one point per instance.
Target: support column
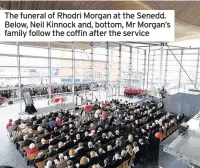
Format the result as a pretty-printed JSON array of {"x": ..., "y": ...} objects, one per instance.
[
  {"x": 19, "y": 77},
  {"x": 197, "y": 68},
  {"x": 147, "y": 77},
  {"x": 107, "y": 69},
  {"x": 119, "y": 68},
  {"x": 49, "y": 69},
  {"x": 166, "y": 63},
  {"x": 144, "y": 73},
  {"x": 92, "y": 68},
  {"x": 179, "y": 80},
  {"x": 130, "y": 68},
  {"x": 152, "y": 75},
  {"x": 161, "y": 62},
  {"x": 73, "y": 70},
  {"x": 137, "y": 61}
]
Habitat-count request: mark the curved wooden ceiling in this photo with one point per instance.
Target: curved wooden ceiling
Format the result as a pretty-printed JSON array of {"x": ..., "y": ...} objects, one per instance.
[{"x": 187, "y": 12}]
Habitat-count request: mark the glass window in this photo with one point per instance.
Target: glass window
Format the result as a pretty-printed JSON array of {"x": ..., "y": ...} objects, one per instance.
[
  {"x": 8, "y": 49},
  {"x": 31, "y": 51},
  {"x": 37, "y": 62}
]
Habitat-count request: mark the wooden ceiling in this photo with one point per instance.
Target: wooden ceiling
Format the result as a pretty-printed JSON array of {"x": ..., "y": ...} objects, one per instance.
[{"x": 187, "y": 12}]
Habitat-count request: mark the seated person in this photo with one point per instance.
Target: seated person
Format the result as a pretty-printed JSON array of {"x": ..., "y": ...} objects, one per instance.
[
  {"x": 17, "y": 139},
  {"x": 49, "y": 164},
  {"x": 72, "y": 157},
  {"x": 63, "y": 138},
  {"x": 39, "y": 158},
  {"x": 26, "y": 141},
  {"x": 84, "y": 162},
  {"x": 104, "y": 139},
  {"x": 117, "y": 160},
  {"x": 32, "y": 150},
  {"x": 61, "y": 148},
  {"x": 47, "y": 135},
  {"x": 30, "y": 133},
  {"x": 51, "y": 152},
  {"x": 44, "y": 146},
  {"x": 93, "y": 158},
  {"x": 40, "y": 130},
  {"x": 80, "y": 151},
  {"x": 56, "y": 132},
  {"x": 70, "y": 164},
  {"x": 86, "y": 137},
  {"x": 34, "y": 126},
  {"x": 58, "y": 121},
  {"x": 62, "y": 163},
  {"x": 51, "y": 123},
  {"x": 53, "y": 140}
]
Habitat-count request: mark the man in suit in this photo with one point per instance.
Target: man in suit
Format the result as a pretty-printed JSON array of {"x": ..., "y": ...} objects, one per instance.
[{"x": 44, "y": 146}]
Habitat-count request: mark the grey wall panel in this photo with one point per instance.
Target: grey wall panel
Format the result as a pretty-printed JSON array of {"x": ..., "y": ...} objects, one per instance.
[{"x": 187, "y": 104}]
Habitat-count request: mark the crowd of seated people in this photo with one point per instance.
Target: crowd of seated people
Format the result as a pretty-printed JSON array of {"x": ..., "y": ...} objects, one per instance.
[{"x": 121, "y": 136}]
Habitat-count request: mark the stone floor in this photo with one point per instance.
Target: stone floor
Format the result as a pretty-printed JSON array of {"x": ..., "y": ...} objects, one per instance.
[{"x": 8, "y": 154}]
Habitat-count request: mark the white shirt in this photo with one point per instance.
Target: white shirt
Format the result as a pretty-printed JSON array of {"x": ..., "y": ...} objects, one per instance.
[{"x": 136, "y": 149}]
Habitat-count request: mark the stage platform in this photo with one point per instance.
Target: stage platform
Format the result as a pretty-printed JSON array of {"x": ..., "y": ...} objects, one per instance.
[{"x": 182, "y": 148}]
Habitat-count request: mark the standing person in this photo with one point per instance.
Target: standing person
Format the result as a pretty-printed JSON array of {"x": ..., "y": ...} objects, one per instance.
[{"x": 2, "y": 100}]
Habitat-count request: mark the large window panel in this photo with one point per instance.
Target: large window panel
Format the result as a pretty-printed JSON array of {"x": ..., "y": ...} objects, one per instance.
[
  {"x": 8, "y": 49},
  {"x": 82, "y": 55},
  {"x": 37, "y": 62},
  {"x": 28, "y": 72},
  {"x": 61, "y": 53},
  {"x": 8, "y": 61},
  {"x": 8, "y": 72},
  {"x": 61, "y": 63},
  {"x": 32, "y": 51}
]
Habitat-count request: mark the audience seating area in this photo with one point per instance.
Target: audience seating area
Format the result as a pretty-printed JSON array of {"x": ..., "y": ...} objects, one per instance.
[{"x": 121, "y": 135}]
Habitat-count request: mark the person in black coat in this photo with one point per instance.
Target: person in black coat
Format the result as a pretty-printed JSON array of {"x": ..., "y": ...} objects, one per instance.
[
  {"x": 81, "y": 151},
  {"x": 26, "y": 141},
  {"x": 53, "y": 140},
  {"x": 93, "y": 158},
  {"x": 39, "y": 158},
  {"x": 86, "y": 138},
  {"x": 51, "y": 152},
  {"x": 47, "y": 135},
  {"x": 44, "y": 146}
]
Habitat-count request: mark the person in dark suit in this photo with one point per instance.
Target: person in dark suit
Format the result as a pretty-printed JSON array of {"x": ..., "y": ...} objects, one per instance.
[
  {"x": 34, "y": 126},
  {"x": 104, "y": 139},
  {"x": 53, "y": 140},
  {"x": 72, "y": 157},
  {"x": 26, "y": 141},
  {"x": 93, "y": 158},
  {"x": 51, "y": 152},
  {"x": 44, "y": 145},
  {"x": 47, "y": 135},
  {"x": 81, "y": 151},
  {"x": 86, "y": 138},
  {"x": 61, "y": 148},
  {"x": 39, "y": 158}
]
